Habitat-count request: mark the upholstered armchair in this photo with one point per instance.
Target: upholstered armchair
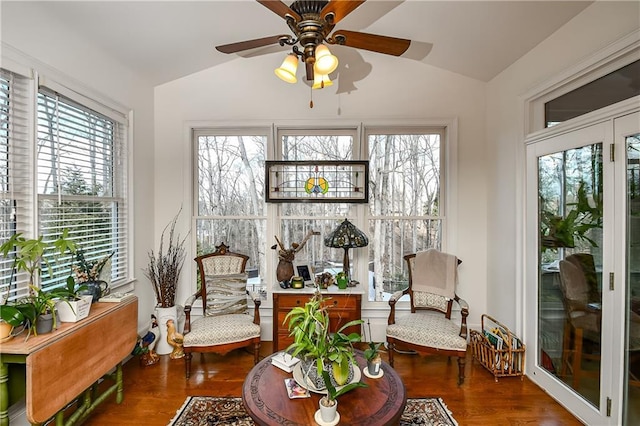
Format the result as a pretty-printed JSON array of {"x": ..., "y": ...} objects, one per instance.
[
  {"x": 428, "y": 327},
  {"x": 582, "y": 317},
  {"x": 226, "y": 323}
]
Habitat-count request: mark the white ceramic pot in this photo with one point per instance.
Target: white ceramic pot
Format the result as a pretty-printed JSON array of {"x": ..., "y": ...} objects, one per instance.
[
  {"x": 328, "y": 414},
  {"x": 163, "y": 315}
]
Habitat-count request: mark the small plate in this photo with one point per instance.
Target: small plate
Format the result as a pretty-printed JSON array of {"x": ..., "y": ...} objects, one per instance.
[
  {"x": 318, "y": 418},
  {"x": 371, "y": 376},
  {"x": 300, "y": 379}
]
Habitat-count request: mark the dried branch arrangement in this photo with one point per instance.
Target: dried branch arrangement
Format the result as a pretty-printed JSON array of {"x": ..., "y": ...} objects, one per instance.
[{"x": 165, "y": 266}]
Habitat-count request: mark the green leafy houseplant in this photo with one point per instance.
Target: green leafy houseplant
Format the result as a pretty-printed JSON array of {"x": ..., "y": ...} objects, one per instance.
[
  {"x": 309, "y": 327},
  {"x": 43, "y": 301},
  {"x": 372, "y": 352},
  {"x": 29, "y": 255},
  {"x": 558, "y": 231}
]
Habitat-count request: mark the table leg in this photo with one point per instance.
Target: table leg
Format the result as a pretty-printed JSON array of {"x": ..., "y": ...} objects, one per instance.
[{"x": 4, "y": 394}]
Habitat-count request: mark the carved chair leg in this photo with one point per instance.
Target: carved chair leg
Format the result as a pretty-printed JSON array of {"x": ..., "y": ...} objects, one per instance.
[
  {"x": 461, "y": 363},
  {"x": 187, "y": 364},
  {"x": 391, "y": 351},
  {"x": 256, "y": 352}
]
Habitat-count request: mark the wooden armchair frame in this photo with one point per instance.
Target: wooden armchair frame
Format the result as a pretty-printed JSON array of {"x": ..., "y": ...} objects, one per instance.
[
  {"x": 222, "y": 349},
  {"x": 425, "y": 350}
]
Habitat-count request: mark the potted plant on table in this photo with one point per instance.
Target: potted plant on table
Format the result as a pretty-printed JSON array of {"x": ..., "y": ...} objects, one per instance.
[
  {"x": 87, "y": 274},
  {"x": 30, "y": 256},
  {"x": 73, "y": 303},
  {"x": 327, "y": 359}
]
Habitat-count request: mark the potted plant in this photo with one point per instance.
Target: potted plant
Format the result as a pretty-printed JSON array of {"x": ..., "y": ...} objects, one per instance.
[
  {"x": 374, "y": 361},
  {"x": 10, "y": 319},
  {"x": 327, "y": 359},
  {"x": 44, "y": 303},
  {"x": 29, "y": 255},
  {"x": 73, "y": 305},
  {"x": 163, "y": 270},
  {"x": 564, "y": 231},
  {"x": 318, "y": 349},
  {"x": 87, "y": 274}
]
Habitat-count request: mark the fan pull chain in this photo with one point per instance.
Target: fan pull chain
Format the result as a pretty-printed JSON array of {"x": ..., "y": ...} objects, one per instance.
[{"x": 311, "y": 98}]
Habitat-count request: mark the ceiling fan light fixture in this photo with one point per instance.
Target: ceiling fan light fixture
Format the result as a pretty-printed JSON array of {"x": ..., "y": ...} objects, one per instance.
[
  {"x": 326, "y": 63},
  {"x": 287, "y": 71},
  {"x": 321, "y": 81}
]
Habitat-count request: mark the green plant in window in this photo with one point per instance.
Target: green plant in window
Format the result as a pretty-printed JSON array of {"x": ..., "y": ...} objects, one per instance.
[{"x": 566, "y": 231}]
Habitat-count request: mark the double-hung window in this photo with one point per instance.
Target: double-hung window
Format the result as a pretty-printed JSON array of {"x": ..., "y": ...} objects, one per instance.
[
  {"x": 405, "y": 212},
  {"x": 82, "y": 181},
  {"x": 229, "y": 195},
  {"x": 63, "y": 166},
  {"x": 15, "y": 192}
]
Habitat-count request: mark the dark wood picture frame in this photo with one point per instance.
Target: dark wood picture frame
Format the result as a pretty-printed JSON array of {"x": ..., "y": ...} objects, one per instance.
[{"x": 317, "y": 181}]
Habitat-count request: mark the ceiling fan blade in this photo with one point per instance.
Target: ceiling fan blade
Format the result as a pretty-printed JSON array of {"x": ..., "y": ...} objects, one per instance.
[
  {"x": 249, "y": 44},
  {"x": 279, "y": 8},
  {"x": 340, "y": 9},
  {"x": 373, "y": 42}
]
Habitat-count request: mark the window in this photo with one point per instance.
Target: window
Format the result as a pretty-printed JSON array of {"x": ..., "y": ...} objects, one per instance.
[
  {"x": 405, "y": 212},
  {"x": 315, "y": 220},
  {"x": 15, "y": 214},
  {"x": 73, "y": 177},
  {"x": 230, "y": 195},
  {"x": 614, "y": 87},
  {"x": 81, "y": 182}
]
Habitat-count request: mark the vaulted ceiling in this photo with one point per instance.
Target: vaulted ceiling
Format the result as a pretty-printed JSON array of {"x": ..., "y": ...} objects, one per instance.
[{"x": 166, "y": 40}]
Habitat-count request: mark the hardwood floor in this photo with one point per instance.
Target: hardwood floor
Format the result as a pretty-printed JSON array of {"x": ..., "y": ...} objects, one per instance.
[{"x": 154, "y": 393}]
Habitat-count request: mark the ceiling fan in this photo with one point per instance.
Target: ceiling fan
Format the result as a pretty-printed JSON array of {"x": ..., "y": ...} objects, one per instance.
[{"x": 311, "y": 22}]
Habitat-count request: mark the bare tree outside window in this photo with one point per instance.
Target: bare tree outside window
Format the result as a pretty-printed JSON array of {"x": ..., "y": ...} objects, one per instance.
[
  {"x": 405, "y": 213},
  {"x": 230, "y": 196}
]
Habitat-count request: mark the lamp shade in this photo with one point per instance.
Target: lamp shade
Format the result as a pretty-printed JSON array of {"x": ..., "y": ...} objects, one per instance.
[
  {"x": 326, "y": 63},
  {"x": 346, "y": 235},
  {"x": 321, "y": 81},
  {"x": 287, "y": 71}
]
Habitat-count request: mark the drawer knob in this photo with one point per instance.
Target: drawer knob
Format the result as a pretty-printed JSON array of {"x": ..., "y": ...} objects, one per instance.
[{"x": 335, "y": 303}]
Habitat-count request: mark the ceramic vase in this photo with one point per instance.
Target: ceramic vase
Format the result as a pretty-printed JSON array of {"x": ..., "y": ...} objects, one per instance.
[{"x": 163, "y": 315}]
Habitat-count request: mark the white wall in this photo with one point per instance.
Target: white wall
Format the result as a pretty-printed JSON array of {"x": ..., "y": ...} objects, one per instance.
[
  {"x": 36, "y": 35},
  {"x": 595, "y": 28},
  {"x": 246, "y": 92}
]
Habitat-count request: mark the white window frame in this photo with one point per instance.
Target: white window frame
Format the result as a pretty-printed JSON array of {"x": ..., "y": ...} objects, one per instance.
[{"x": 34, "y": 71}]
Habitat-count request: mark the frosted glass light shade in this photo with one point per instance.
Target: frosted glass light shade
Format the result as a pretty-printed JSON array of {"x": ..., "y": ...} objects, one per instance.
[
  {"x": 326, "y": 63},
  {"x": 321, "y": 80},
  {"x": 287, "y": 71}
]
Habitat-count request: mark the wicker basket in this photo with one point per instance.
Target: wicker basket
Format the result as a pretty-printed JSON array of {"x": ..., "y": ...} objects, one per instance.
[{"x": 498, "y": 349}]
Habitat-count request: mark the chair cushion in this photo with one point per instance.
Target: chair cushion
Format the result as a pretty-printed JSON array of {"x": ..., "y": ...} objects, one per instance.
[
  {"x": 429, "y": 329},
  {"x": 221, "y": 329},
  {"x": 423, "y": 299},
  {"x": 226, "y": 294},
  {"x": 222, "y": 265}
]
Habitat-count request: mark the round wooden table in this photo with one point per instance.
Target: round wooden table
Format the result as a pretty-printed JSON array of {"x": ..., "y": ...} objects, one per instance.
[{"x": 265, "y": 398}]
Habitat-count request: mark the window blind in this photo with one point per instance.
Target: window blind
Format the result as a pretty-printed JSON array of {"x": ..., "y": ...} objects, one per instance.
[
  {"x": 16, "y": 207},
  {"x": 81, "y": 183}
]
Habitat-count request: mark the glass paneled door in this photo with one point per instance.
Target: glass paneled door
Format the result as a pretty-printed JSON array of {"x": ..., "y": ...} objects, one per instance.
[
  {"x": 570, "y": 291},
  {"x": 567, "y": 186},
  {"x": 627, "y": 130}
]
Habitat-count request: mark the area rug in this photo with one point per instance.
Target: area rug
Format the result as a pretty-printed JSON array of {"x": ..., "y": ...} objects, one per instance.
[{"x": 209, "y": 411}]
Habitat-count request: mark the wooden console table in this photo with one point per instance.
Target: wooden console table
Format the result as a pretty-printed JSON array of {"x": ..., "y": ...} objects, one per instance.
[
  {"x": 345, "y": 306},
  {"x": 61, "y": 365}
]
